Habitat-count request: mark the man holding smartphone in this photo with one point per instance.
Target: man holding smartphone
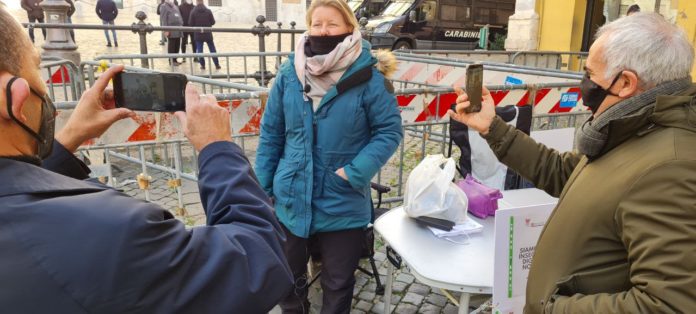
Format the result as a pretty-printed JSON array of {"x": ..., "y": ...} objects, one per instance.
[
  {"x": 74, "y": 246},
  {"x": 621, "y": 238}
]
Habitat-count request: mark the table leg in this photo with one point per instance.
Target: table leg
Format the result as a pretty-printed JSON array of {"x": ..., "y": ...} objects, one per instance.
[
  {"x": 464, "y": 303},
  {"x": 388, "y": 288}
]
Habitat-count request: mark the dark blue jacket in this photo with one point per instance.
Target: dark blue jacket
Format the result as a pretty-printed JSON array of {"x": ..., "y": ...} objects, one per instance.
[
  {"x": 72, "y": 246},
  {"x": 202, "y": 17},
  {"x": 106, "y": 10}
]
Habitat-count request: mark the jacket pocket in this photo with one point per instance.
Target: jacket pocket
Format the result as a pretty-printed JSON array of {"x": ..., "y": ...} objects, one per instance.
[
  {"x": 611, "y": 279},
  {"x": 338, "y": 184},
  {"x": 284, "y": 182}
]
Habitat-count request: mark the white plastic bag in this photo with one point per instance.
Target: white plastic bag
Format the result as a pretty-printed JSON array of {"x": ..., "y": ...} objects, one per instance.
[{"x": 430, "y": 191}]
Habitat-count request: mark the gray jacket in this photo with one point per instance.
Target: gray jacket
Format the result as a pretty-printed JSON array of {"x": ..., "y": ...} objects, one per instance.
[{"x": 171, "y": 17}]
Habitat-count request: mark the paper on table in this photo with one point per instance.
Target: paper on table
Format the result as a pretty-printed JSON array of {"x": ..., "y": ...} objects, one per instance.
[{"x": 469, "y": 226}]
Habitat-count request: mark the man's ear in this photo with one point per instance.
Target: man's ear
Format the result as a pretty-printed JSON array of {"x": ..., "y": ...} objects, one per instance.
[
  {"x": 20, "y": 93},
  {"x": 629, "y": 84}
]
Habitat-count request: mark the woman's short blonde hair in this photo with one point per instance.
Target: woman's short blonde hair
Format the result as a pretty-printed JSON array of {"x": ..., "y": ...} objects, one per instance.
[{"x": 339, "y": 5}]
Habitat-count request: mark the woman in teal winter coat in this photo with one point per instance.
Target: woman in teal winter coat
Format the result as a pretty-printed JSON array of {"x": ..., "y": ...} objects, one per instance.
[{"x": 330, "y": 123}]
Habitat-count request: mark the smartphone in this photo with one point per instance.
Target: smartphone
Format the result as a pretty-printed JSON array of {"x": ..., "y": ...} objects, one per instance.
[
  {"x": 162, "y": 92},
  {"x": 474, "y": 85}
]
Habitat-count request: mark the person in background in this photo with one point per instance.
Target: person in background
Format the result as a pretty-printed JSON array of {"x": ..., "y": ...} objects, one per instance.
[
  {"x": 171, "y": 16},
  {"x": 201, "y": 16},
  {"x": 107, "y": 12},
  {"x": 633, "y": 9},
  {"x": 622, "y": 238},
  {"x": 185, "y": 8},
  {"x": 331, "y": 122},
  {"x": 35, "y": 14},
  {"x": 73, "y": 245},
  {"x": 71, "y": 11},
  {"x": 163, "y": 39}
]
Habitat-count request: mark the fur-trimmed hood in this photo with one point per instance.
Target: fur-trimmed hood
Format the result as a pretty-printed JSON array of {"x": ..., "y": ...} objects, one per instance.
[{"x": 386, "y": 62}]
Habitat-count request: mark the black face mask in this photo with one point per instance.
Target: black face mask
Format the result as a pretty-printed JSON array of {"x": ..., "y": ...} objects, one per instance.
[
  {"x": 321, "y": 45},
  {"x": 592, "y": 94},
  {"x": 48, "y": 121}
]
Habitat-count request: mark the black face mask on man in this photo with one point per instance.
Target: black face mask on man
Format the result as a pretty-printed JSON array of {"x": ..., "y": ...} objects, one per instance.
[
  {"x": 592, "y": 94},
  {"x": 321, "y": 45},
  {"x": 48, "y": 120}
]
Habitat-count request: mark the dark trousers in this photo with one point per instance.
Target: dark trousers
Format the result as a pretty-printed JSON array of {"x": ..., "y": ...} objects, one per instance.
[
  {"x": 211, "y": 47},
  {"x": 340, "y": 253},
  {"x": 173, "y": 46},
  {"x": 185, "y": 41},
  {"x": 31, "y": 30}
]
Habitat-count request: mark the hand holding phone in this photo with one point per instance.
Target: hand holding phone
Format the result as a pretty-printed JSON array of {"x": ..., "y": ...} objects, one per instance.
[
  {"x": 474, "y": 85},
  {"x": 204, "y": 121},
  {"x": 161, "y": 92},
  {"x": 482, "y": 114},
  {"x": 94, "y": 113}
]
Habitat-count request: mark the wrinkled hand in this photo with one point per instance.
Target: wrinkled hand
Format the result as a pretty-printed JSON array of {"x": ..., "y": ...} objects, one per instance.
[
  {"x": 479, "y": 121},
  {"x": 342, "y": 173},
  {"x": 94, "y": 113},
  {"x": 204, "y": 122}
]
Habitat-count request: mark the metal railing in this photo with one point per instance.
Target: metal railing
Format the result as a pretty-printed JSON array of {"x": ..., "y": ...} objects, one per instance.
[{"x": 143, "y": 29}]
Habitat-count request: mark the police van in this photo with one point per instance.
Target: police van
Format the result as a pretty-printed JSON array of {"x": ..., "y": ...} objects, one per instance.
[
  {"x": 438, "y": 24},
  {"x": 366, "y": 8}
]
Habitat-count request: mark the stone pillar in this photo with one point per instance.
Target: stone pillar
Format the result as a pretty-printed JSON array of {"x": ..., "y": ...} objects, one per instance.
[
  {"x": 58, "y": 41},
  {"x": 523, "y": 27}
]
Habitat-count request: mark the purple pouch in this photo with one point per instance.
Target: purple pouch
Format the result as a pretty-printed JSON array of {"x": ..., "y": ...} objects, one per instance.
[{"x": 483, "y": 200}]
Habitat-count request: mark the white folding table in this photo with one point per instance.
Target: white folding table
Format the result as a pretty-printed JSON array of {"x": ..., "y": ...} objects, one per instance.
[{"x": 439, "y": 263}]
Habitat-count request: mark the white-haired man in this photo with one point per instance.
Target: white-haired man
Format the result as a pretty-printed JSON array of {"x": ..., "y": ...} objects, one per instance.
[{"x": 622, "y": 238}]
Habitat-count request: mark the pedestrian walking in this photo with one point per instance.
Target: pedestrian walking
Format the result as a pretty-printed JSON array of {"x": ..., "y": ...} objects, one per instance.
[
  {"x": 35, "y": 14},
  {"x": 185, "y": 8},
  {"x": 107, "y": 12},
  {"x": 201, "y": 16},
  {"x": 171, "y": 16}
]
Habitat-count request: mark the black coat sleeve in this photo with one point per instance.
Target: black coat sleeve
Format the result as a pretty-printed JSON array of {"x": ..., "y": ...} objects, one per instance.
[{"x": 124, "y": 255}]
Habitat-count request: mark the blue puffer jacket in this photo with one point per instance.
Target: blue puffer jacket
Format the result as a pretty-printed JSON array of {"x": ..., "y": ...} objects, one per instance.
[{"x": 299, "y": 150}]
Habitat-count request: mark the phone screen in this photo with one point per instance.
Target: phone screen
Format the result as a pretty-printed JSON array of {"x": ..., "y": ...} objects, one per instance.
[
  {"x": 163, "y": 92},
  {"x": 474, "y": 85}
]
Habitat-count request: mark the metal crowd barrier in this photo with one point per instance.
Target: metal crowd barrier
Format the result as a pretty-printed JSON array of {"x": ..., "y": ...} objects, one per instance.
[
  {"x": 558, "y": 60},
  {"x": 236, "y": 66},
  {"x": 179, "y": 159},
  {"x": 64, "y": 82}
]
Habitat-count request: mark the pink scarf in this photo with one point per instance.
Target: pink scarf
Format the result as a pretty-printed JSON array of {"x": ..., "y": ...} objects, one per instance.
[{"x": 321, "y": 72}]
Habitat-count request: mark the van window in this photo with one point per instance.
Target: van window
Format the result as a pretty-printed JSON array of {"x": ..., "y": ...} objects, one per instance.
[
  {"x": 483, "y": 16},
  {"x": 354, "y": 4},
  {"x": 427, "y": 11},
  {"x": 397, "y": 8},
  {"x": 455, "y": 13}
]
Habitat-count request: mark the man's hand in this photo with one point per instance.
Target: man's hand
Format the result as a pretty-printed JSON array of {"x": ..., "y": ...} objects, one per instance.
[
  {"x": 479, "y": 121},
  {"x": 204, "y": 121},
  {"x": 94, "y": 114}
]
